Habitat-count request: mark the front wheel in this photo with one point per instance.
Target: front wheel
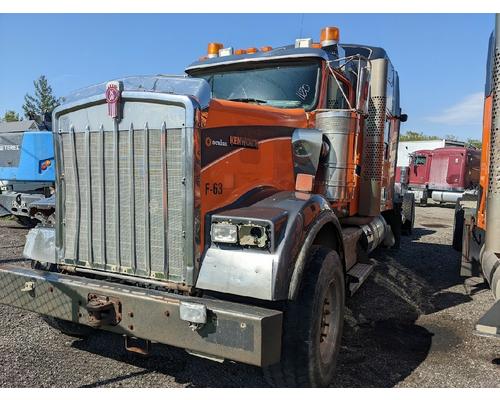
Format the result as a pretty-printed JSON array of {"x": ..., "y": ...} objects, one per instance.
[{"x": 312, "y": 326}]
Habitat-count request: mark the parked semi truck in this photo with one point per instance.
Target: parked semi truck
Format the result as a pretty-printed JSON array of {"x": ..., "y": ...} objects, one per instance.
[
  {"x": 445, "y": 174},
  {"x": 27, "y": 174},
  {"x": 477, "y": 230},
  {"x": 229, "y": 212}
]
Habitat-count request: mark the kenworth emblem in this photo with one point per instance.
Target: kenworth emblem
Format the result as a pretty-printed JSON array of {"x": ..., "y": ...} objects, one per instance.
[{"x": 113, "y": 98}]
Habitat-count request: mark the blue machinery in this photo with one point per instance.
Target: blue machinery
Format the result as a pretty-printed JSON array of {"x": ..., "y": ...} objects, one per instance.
[{"x": 27, "y": 170}]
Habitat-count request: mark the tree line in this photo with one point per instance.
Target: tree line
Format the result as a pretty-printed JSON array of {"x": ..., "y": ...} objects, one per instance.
[{"x": 37, "y": 106}]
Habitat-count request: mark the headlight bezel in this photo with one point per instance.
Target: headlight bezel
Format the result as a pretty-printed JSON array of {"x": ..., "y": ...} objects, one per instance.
[
  {"x": 245, "y": 234},
  {"x": 270, "y": 221}
]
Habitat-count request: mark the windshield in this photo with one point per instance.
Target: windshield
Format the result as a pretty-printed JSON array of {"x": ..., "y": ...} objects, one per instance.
[
  {"x": 285, "y": 84},
  {"x": 419, "y": 160}
]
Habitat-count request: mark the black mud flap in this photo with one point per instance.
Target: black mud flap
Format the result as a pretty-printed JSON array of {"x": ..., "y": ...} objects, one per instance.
[{"x": 489, "y": 324}]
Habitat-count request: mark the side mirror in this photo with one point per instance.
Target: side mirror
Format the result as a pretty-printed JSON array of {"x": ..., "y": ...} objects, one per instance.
[
  {"x": 403, "y": 117},
  {"x": 306, "y": 145}
]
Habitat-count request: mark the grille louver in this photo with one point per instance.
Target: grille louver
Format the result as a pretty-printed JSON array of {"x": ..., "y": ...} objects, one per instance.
[{"x": 124, "y": 198}]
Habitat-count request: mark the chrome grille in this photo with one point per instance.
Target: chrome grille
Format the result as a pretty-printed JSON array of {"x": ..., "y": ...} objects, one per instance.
[{"x": 124, "y": 199}]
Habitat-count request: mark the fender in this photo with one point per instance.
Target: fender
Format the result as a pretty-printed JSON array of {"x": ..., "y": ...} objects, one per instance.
[
  {"x": 324, "y": 219},
  {"x": 275, "y": 273}
]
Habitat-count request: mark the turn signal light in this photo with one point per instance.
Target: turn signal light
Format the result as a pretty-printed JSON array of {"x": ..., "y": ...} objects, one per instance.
[
  {"x": 329, "y": 35},
  {"x": 213, "y": 49},
  {"x": 45, "y": 165}
]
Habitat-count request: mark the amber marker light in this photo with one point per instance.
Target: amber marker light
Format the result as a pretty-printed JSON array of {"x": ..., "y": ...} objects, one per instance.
[
  {"x": 252, "y": 50},
  {"x": 329, "y": 36},
  {"x": 266, "y": 48},
  {"x": 213, "y": 49},
  {"x": 239, "y": 52},
  {"x": 45, "y": 165}
]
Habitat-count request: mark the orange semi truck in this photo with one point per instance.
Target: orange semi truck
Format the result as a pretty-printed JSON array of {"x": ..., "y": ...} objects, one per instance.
[
  {"x": 477, "y": 230},
  {"x": 228, "y": 212}
]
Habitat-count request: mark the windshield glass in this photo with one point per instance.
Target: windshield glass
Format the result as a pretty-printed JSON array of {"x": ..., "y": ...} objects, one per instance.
[
  {"x": 285, "y": 84},
  {"x": 419, "y": 160}
]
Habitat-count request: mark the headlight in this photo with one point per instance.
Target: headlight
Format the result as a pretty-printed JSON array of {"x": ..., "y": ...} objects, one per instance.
[
  {"x": 253, "y": 235},
  {"x": 224, "y": 232}
]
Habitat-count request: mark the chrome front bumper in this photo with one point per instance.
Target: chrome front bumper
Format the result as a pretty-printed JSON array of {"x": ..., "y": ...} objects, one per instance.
[{"x": 233, "y": 331}]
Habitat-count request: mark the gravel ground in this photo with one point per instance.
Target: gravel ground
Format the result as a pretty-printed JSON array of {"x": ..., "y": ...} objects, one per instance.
[{"x": 409, "y": 326}]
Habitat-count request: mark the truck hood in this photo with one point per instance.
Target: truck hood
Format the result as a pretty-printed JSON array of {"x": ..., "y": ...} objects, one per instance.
[{"x": 196, "y": 88}]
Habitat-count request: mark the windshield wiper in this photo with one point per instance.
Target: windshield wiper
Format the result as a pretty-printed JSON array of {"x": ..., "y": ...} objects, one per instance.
[{"x": 248, "y": 100}]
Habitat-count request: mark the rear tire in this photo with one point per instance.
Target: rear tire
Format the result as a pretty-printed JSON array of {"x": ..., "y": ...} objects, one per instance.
[
  {"x": 408, "y": 211},
  {"x": 312, "y": 325},
  {"x": 69, "y": 328},
  {"x": 458, "y": 228}
]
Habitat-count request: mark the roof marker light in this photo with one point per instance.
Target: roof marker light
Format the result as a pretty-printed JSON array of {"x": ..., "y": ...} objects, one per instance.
[
  {"x": 266, "y": 48},
  {"x": 228, "y": 51},
  {"x": 213, "y": 49},
  {"x": 240, "y": 51},
  {"x": 252, "y": 50},
  {"x": 303, "y": 43},
  {"x": 329, "y": 36}
]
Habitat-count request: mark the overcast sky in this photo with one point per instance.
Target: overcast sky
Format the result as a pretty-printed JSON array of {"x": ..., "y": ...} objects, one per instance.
[{"x": 441, "y": 59}]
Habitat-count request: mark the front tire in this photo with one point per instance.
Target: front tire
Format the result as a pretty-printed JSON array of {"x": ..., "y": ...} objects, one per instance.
[{"x": 312, "y": 325}]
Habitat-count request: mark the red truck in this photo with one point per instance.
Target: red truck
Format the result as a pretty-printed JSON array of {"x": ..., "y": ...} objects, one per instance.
[{"x": 445, "y": 174}]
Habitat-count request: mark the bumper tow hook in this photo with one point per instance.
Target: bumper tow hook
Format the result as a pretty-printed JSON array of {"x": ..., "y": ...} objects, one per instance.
[{"x": 103, "y": 311}]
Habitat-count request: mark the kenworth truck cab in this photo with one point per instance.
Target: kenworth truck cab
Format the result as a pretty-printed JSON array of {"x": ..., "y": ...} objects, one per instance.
[
  {"x": 229, "y": 212},
  {"x": 476, "y": 231}
]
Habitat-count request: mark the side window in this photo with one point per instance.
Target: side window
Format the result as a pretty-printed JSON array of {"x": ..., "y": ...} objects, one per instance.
[
  {"x": 387, "y": 136},
  {"x": 336, "y": 99}
]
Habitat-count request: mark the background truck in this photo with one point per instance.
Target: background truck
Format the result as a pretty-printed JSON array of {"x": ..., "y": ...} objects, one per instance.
[
  {"x": 27, "y": 172},
  {"x": 407, "y": 147},
  {"x": 445, "y": 174},
  {"x": 229, "y": 212},
  {"x": 477, "y": 230}
]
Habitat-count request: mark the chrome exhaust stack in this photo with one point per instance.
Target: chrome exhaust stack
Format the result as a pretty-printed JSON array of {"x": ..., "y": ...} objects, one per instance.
[{"x": 491, "y": 250}]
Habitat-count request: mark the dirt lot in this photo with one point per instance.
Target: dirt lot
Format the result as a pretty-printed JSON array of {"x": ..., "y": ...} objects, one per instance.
[{"x": 410, "y": 326}]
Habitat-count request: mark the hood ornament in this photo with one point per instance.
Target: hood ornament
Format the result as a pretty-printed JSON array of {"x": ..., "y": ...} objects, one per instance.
[{"x": 113, "y": 96}]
